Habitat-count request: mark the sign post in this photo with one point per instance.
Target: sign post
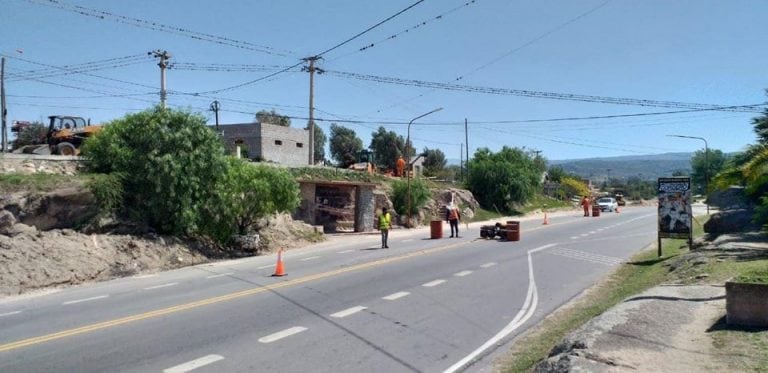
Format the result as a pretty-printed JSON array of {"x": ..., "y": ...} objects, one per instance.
[{"x": 675, "y": 215}]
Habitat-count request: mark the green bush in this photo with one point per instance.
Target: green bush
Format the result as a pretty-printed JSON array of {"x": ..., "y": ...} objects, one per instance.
[
  {"x": 108, "y": 191},
  {"x": 504, "y": 180},
  {"x": 419, "y": 196}
]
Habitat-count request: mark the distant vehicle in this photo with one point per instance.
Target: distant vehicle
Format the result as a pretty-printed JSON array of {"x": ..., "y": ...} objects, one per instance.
[
  {"x": 620, "y": 199},
  {"x": 64, "y": 137},
  {"x": 607, "y": 204}
]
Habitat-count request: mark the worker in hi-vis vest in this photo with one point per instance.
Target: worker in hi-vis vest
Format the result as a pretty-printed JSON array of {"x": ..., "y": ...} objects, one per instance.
[{"x": 385, "y": 222}]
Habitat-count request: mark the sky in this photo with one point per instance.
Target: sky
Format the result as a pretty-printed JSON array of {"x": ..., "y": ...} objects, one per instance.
[{"x": 534, "y": 74}]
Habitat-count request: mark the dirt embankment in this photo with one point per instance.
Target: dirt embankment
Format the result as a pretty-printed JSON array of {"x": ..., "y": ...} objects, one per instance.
[{"x": 54, "y": 239}]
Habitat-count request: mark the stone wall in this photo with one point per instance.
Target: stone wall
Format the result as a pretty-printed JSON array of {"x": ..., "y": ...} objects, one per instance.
[
  {"x": 30, "y": 164},
  {"x": 365, "y": 210}
]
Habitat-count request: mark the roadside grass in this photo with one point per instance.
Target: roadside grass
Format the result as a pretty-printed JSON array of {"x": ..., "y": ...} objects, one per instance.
[
  {"x": 39, "y": 182},
  {"x": 483, "y": 215},
  {"x": 642, "y": 272}
]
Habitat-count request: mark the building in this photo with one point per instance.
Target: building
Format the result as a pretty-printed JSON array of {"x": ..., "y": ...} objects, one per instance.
[{"x": 267, "y": 142}]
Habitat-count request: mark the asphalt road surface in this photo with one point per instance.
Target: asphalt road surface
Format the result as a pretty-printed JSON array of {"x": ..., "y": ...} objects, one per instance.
[{"x": 345, "y": 305}]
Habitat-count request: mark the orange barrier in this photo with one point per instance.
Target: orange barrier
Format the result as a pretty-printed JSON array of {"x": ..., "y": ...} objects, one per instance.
[
  {"x": 513, "y": 230},
  {"x": 436, "y": 229},
  {"x": 279, "y": 268}
]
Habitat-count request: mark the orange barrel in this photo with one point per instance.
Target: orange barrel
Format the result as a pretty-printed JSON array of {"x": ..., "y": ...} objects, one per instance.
[
  {"x": 595, "y": 210},
  {"x": 513, "y": 230},
  {"x": 436, "y": 229}
]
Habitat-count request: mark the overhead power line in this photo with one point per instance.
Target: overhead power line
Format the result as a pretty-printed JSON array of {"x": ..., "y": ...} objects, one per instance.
[
  {"x": 152, "y": 25},
  {"x": 52, "y": 71},
  {"x": 539, "y": 94}
]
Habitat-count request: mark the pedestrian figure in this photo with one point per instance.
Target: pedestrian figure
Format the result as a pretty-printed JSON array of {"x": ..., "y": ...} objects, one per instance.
[
  {"x": 385, "y": 222},
  {"x": 453, "y": 216},
  {"x": 585, "y": 204}
]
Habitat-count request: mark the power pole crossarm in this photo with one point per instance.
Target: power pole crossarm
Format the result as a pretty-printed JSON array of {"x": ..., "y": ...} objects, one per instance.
[{"x": 164, "y": 56}]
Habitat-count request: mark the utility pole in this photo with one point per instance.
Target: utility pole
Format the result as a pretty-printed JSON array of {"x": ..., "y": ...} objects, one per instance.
[
  {"x": 215, "y": 109},
  {"x": 312, "y": 69},
  {"x": 461, "y": 162},
  {"x": 3, "y": 111},
  {"x": 164, "y": 56}
]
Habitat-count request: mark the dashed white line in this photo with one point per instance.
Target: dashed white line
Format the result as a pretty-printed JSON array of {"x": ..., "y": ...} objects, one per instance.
[
  {"x": 397, "y": 295},
  {"x": 433, "y": 283},
  {"x": 462, "y": 273},
  {"x": 282, "y": 334},
  {"x": 162, "y": 286},
  {"x": 85, "y": 299},
  {"x": 488, "y": 265},
  {"x": 311, "y": 258},
  {"x": 194, "y": 364},
  {"x": 345, "y": 251},
  {"x": 221, "y": 275},
  {"x": 10, "y": 313},
  {"x": 348, "y": 311},
  {"x": 575, "y": 237},
  {"x": 584, "y": 235},
  {"x": 592, "y": 232}
]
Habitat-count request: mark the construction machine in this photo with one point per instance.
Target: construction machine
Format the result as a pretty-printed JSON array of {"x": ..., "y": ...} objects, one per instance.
[{"x": 65, "y": 135}]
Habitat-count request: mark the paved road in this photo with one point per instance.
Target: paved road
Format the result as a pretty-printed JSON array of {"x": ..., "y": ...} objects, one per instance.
[{"x": 346, "y": 305}]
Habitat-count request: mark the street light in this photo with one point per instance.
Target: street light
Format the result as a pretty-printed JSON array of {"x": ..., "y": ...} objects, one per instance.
[
  {"x": 408, "y": 163},
  {"x": 706, "y": 163}
]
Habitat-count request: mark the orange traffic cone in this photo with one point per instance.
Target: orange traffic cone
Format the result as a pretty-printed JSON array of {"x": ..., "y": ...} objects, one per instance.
[
  {"x": 546, "y": 220},
  {"x": 279, "y": 268},
  {"x": 617, "y": 209}
]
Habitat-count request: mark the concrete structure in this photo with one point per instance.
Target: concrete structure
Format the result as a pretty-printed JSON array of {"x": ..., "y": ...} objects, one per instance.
[
  {"x": 338, "y": 206},
  {"x": 267, "y": 142}
]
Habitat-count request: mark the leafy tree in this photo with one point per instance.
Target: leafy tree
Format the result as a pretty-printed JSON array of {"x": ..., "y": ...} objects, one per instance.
[
  {"x": 31, "y": 134},
  {"x": 273, "y": 117},
  {"x": 419, "y": 196},
  {"x": 716, "y": 159},
  {"x": 387, "y": 146},
  {"x": 319, "y": 146},
  {"x": 556, "y": 174},
  {"x": 170, "y": 164},
  {"x": 345, "y": 145},
  {"x": 503, "y": 180},
  {"x": 248, "y": 192},
  {"x": 434, "y": 161},
  {"x": 572, "y": 187}
]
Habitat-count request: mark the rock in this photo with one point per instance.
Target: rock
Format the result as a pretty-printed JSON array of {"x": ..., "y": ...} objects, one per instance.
[
  {"x": 7, "y": 220},
  {"x": 729, "y": 221},
  {"x": 21, "y": 229},
  {"x": 65, "y": 208}
]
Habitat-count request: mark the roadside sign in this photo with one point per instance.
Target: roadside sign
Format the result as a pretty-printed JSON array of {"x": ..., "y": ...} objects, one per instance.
[{"x": 675, "y": 215}]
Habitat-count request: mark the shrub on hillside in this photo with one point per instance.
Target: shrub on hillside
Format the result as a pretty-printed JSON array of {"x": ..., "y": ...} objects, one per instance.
[{"x": 419, "y": 196}]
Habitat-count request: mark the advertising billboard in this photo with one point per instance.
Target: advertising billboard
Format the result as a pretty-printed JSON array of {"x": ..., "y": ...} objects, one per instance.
[{"x": 675, "y": 217}]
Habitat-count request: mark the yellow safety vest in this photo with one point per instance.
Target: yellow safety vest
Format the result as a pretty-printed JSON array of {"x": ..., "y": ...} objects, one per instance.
[{"x": 385, "y": 221}]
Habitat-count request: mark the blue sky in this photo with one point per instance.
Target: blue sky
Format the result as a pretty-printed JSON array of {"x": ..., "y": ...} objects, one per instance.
[{"x": 698, "y": 51}]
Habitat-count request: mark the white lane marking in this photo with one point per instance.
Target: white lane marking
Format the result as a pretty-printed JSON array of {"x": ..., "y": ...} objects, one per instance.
[
  {"x": 345, "y": 251},
  {"x": 592, "y": 232},
  {"x": 407, "y": 240},
  {"x": 525, "y": 313},
  {"x": 462, "y": 273},
  {"x": 433, "y": 283},
  {"x": 144, "y": 276},
  {"x": 221, "y": 275},
  {"x": 397, "y": 295},
  {"x": 194, "y": 364},
  {"x": 575, "y": 237},
  {"x": 348, "y": 311},
  {"x": 85, "y": 299},
  {"x": 10, "y": 313},
  {"x": 265, "y": 267},
  {"x": 282, "y": 334},
  {"x": 488, "y": 265},
  {"x": 162, "y": 286},
  {"x": 311, "y": 258},
  {"x": 584, "y": 235}
]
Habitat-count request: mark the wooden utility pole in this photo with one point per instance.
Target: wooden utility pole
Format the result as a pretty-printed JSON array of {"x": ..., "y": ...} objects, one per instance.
[
  {"x": 3, "y": 110},
  {"x": 215, "y": 109},
  {"x": 164, "y": 56},
  {"x": 461, "y": 162},
  {"x": 466, "y": 141},
  {"x": 311, "y": 125}
]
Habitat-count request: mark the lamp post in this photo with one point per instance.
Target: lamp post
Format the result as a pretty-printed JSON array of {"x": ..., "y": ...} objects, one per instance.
[
  {"x": 408, "y": 163},
  {"x": 706, "y": 162}
]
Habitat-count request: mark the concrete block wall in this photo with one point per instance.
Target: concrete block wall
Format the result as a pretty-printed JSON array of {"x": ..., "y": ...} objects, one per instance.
[{"x": 284, "y": 145}]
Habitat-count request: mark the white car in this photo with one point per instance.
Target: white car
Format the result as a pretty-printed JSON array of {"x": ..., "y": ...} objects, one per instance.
[{"x": 607, "y": 204}]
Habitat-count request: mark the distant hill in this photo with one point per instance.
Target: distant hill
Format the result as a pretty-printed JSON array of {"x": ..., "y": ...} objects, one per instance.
[{"x": 647, "y": 167}]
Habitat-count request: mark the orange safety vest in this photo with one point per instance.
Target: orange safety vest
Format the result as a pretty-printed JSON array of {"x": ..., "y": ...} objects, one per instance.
[{"x": 453, "y": 214}]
